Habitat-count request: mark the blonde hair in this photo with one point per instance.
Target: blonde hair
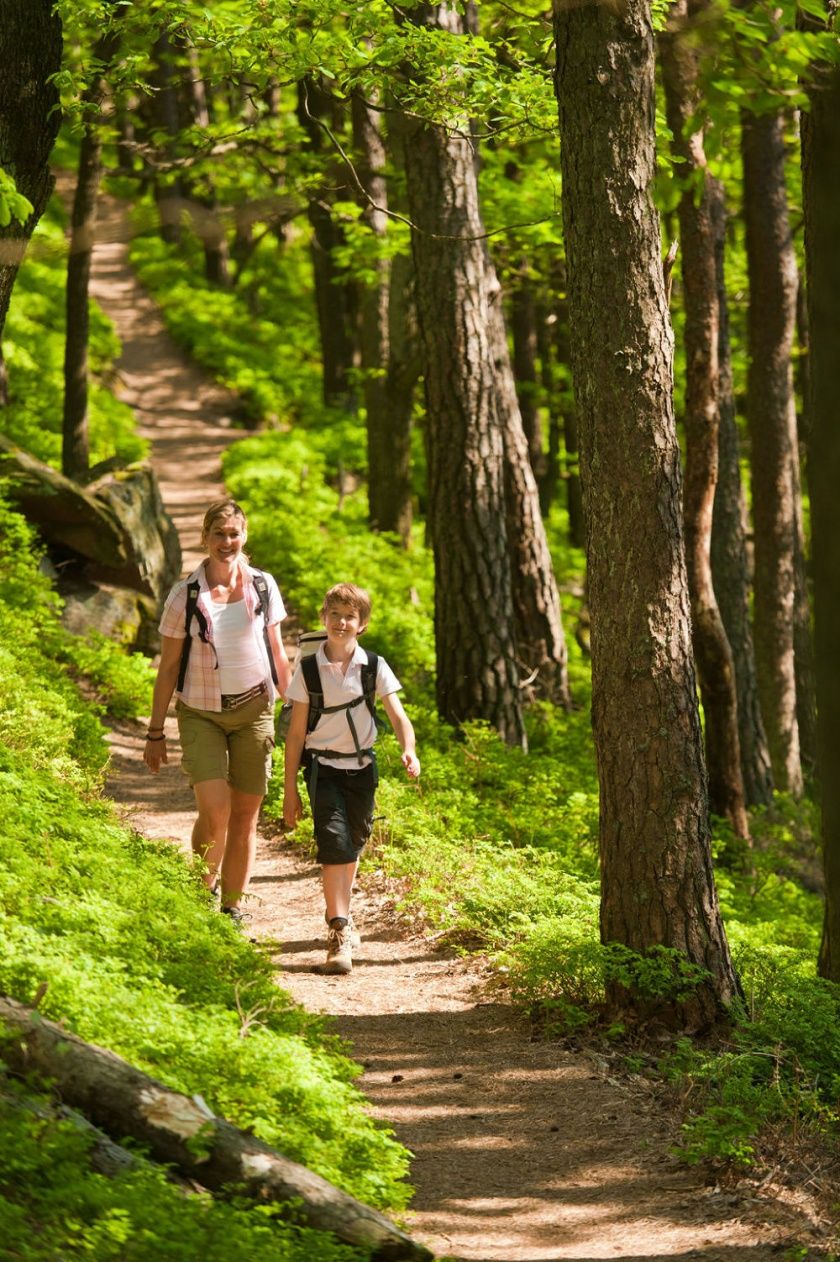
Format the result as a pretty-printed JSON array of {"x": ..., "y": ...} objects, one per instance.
[{"x": 349, "y": 594}]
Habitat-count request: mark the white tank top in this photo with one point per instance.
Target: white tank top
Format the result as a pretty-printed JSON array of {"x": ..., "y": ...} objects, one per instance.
[{"x": 240, "y": 662}]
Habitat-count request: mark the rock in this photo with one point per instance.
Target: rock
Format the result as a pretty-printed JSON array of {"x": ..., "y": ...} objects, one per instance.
[{"x": 113, "y": 546}]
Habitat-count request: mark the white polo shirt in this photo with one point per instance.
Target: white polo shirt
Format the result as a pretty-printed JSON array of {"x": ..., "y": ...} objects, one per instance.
[{"x": 333, "y": 731}]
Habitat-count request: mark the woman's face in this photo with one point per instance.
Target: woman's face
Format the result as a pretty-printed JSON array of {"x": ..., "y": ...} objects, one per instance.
[{"x": 225, "y": 538}]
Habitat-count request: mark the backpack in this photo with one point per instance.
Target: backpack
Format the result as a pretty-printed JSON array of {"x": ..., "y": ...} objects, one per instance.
[
  {"x": 312, "y": 679},
  {"x": 193, "y": 610}
]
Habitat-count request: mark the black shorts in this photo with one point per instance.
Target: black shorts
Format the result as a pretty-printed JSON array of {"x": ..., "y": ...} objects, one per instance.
[{"x": 342, "y": 810}]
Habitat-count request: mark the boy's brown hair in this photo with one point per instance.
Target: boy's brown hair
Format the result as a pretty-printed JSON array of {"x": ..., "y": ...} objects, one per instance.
[{"x": 349, "y": 594}]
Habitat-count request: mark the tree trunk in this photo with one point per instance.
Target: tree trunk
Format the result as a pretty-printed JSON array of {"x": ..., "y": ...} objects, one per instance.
[
  {"x": 373, "y": 308},
  {"x": 730, "y": 566},
  {"x": 75, "y": 447},
  {"x": 523, "y": 328},
  {"x": 30, "y": 54},
  {"x": 394, "y": 502},
  {"x": 181, "y": 1131},
  {"x": 540, "y": 642},
  {"x": 477, "y": 675},
  {"x": 333, "y": 297},
  {"x": 210, "y": 227},
  {"x": 169, "y": 196},
  {"x": 821, "y": 193},
  {"x": 771, "y": 422},
  {"x": 715, "y": 664},
  {"x": 657, "y": 883}
]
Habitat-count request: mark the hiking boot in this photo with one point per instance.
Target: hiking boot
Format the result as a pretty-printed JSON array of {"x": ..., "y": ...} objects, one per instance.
[
  {"x": 239, "y": 917},
  {"x": 339, "y": 947},
  {"x": 355, "y": 936}
]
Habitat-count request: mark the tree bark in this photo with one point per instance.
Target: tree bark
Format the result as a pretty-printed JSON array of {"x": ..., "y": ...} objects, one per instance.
[
  {"x": 477, "y": 675},
  {"x": 75, "y": 446},
  {"x": 771, "y": 420},
  {"x": 540, "y": 642},
  {"x": 657, "y": 884},
  {"x": 394, "y": 501},
  {"x": 821, "y": 194},
  {"x": 388, "y": 431},
  {"x": 566, "y": 400},
  {"x": 169, "y": 196},
  {"x": 334, "y": 301},
  {"x": 730, "y": 566},
  {"x": 183, "y": 1132},
  {"x": 30, "y": 53},
  {"x": 210, "y": 225},
  {"x": 715, "y": 664},
  {"x": 523, "y": 328}
]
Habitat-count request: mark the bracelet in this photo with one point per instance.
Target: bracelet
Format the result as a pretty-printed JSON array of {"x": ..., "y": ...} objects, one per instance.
[{"x": 155, "y": 738}]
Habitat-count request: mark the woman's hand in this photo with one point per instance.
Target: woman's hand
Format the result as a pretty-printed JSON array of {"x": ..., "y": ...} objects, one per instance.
[{"x": 154, "y": 754}]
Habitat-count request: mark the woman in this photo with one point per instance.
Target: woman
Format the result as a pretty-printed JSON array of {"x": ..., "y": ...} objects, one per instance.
[{"x": 226, "y": 668}]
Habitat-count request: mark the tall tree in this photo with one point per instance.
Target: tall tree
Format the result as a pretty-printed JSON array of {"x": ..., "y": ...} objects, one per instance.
[
  {"x": 75, "y": 447},
  {"x": 821, "y": 190},
  {"x": 30, "y": 54},
  {"x": 390, "y": 369},
  {"x": 715, "y": 665},
  {"x": 477, "y": 675},
  {"x": 730, "y": 566},
  {"x": 771, "y": 421},
  {"x": 334, "y": 298},
  {"x": 657, "y": 882}
]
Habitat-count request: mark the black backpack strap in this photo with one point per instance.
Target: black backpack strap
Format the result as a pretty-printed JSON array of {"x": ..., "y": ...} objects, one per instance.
[
  {"x": 261, "y": 586},
  {"x": 312, "y": 679},
  {"x": 369, "y": 673},
  {"x": 193, "y": 610}
]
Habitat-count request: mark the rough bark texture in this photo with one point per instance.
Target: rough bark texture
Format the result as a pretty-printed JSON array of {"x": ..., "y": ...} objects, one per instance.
[
  {"x": 730, "y": 567},
  {"x": 477, "y": 676},
  {"x": 182, "y": 1131},
  {"x": 170, "y": 196},
  {"x": 523, "y": 327},
  {"x": 771, "y": 421},
  {"x": 821, "y": 190},
  {"x": 715, "y": 664},
  {"x": 657, "y": 883},
  {"x": 30, "y": 52},
  {"x": 404, "y": 367},
  {"x": 566, "y": 401},
  {"x": 388, "y": 431},
  {"x": 540, "y": 642}
]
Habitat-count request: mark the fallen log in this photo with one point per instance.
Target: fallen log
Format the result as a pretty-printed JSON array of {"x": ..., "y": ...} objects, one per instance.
[{"x": 182, "y": 1131}]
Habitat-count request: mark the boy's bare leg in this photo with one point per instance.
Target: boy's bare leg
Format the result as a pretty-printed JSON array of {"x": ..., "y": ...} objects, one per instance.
[
  {"x": 212, "y": 797},
  {"x": 241, "y": 847},
  {"x": 338, "y": 880}
]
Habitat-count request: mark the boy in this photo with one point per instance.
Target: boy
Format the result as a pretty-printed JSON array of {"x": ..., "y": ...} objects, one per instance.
[{"x": 337, "y": 754}]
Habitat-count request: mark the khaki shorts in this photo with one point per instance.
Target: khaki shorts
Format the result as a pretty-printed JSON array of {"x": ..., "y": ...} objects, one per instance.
[{"x": 231, "y": 745}]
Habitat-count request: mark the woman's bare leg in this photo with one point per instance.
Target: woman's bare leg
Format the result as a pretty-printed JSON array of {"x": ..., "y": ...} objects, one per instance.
[
  {"x": 212, "y": 797},
  {"x": 241, "y": 847}
]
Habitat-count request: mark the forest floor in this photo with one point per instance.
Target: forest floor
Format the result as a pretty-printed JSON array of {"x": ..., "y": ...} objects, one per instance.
[{"x": 523, "y": 1150}]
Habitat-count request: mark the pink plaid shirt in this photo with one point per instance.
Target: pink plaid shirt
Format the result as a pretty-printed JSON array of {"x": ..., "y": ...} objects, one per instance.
[{"x": 201, "y": 687}]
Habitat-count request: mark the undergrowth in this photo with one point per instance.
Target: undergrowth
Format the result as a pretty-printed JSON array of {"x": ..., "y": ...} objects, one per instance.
[
  {"x": 497, "y": 850},
  {"x": 133, "y": 956}
]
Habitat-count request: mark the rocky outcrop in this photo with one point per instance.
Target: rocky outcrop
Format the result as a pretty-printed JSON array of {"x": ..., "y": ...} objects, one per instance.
[{"x": 113, "y": 548}]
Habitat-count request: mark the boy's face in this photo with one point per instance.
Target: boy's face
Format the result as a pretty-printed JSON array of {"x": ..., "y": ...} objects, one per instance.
[{"x": 342, "y": 622}]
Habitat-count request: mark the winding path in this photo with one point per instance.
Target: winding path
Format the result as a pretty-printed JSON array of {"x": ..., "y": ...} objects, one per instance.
[{"x": 524, "y": 1152}]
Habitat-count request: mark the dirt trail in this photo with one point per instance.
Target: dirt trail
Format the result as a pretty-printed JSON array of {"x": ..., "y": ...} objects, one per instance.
[{"x": 523, "y": 1152}]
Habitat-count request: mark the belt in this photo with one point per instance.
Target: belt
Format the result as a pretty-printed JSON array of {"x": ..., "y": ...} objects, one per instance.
[{"x": 233, "y": 700}]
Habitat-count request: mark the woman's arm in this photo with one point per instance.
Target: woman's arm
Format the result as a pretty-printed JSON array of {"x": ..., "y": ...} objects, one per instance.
[
  {"x": 154, "y": 754},
  {"x": 404, "y": 733},
  {"x": 281, "y": 662}
]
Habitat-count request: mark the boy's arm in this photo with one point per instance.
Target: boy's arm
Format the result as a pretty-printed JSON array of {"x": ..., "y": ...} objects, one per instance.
[
  {"x": 293, "y": 751},
  {"x": 404, "y": 733}
]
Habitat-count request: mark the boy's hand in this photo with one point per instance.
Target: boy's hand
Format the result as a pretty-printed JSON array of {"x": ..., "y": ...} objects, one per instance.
[
  {"x": 412, "y": 764},
  {"x": 292, "y": 808}
]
